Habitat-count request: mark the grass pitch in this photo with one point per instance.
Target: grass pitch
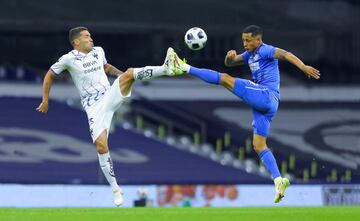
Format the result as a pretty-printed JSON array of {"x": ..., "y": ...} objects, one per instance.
[{"x": 184, "y": 214}]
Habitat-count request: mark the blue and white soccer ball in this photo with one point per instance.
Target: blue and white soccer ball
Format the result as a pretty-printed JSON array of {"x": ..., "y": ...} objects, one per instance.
[{"x": 195, "y": 38}]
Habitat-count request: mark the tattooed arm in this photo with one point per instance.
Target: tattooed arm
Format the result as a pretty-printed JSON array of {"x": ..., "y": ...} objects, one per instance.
[
  {"x": 285, "y": 55},
  {"x": 112, "y": 71}
]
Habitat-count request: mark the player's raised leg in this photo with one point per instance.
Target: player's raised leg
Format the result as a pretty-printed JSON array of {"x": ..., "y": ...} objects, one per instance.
[
  {"x": 149, "y": 72},
  {"x": 257, "y": 96},
  {"x": 131, "y": 75},
  {"x": 107, "y": 167},
  {"x": 207, "y": 75}
]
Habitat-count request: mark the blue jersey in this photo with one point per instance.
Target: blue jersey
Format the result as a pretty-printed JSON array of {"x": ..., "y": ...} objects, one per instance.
[{"x": 264, "y": 67}]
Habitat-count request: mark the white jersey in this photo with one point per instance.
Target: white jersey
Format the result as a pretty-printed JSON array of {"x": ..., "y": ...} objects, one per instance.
[
  {"x": 99, "y": 99},
  {"x": 87, "y": 72}
]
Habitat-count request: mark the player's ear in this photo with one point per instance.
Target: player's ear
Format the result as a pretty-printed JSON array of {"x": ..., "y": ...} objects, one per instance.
[
  {"x": 258, "y": 38},
  {"x": 76, "y": 41}
]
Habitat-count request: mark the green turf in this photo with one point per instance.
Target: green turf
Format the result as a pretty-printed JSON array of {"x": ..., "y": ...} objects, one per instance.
[{"x": 185, "y": 214}]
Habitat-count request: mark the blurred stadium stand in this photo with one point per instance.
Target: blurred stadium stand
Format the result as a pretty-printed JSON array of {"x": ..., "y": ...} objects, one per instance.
[
  {"x": 38, "y": 149},
  {"x": 302, "y": 144},
  {"x": 189, "y": 128},
  {"x": 315, "y": 141}
]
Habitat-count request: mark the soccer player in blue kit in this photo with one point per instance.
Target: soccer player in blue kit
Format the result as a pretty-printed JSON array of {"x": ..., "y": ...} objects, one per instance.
[{"x": 261, "y": 93}]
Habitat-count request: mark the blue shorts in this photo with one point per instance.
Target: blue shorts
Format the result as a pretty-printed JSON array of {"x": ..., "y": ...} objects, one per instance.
[{"x": 264, "y": 103}]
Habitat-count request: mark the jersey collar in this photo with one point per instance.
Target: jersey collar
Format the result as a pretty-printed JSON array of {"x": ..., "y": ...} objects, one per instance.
[
  {"x": 78, "y": 53},
  {"x": 257, "y": 49}
]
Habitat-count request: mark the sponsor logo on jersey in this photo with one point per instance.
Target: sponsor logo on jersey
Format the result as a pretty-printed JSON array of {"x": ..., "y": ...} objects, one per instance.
[
  {"x": 254, "y": 63},
  {"x": 254, "y": 66},
  {"x": 89, "y": 64},
  {"x": 93, "y": 69}
]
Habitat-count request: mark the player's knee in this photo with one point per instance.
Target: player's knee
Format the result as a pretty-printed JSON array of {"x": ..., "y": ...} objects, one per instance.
[
  {"x": 128, "y": 74},
  {"x": 130, "y": 71},
  {"x": 258, "y": 145},
  {"x": 257, "y": 148},
  {"x": 101, "y": 148},
  {"x": 225, "y": 77},
  {"x": 227, "y": 81},
  {"x": 126, "y": 80}
]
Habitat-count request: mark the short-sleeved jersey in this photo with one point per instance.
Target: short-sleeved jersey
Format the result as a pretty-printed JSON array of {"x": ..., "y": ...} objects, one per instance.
[
  {"x": 264, "y": 67},
  {"x": 87, "y": 73}
]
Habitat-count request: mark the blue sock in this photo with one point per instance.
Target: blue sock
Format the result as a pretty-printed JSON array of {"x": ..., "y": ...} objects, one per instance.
[
  {"x": 269, "y": 162},
  {"x": 210, "y": 76}
]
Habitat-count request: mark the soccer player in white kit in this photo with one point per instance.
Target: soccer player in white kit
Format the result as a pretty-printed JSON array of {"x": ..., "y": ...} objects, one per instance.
[{"x": 88, "y": 67}]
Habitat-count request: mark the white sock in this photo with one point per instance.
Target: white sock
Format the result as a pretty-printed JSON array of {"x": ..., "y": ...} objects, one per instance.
[
  {"x": 148, "y": 72},
  {"x": 277, "y": 179},
  {"x": 108, "y": 170},
  {"x": 187, "y": 67}
]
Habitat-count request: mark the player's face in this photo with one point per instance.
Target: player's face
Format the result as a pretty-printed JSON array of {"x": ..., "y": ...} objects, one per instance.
[
  {"x": 85, "y": 41},
  {"x": 251, "y": 42}
]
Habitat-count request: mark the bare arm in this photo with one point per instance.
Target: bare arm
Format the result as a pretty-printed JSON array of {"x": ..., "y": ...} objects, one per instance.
[
  {"x": 232, "y": 59},
  {"x": 308, "y": 70},
  {"x": 44, "y": 105},
  {"x": 112, "y": 71}
]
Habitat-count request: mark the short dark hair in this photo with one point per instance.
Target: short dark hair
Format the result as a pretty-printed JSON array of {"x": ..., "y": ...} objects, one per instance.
[
  {"x": 254, "y": 30},
  {"x": 75, "y": 33}
]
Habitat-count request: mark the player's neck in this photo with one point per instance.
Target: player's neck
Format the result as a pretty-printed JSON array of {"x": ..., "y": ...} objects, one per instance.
[
  {"x": 258, "y": 46},
  {"x": 82, "y": 50}
]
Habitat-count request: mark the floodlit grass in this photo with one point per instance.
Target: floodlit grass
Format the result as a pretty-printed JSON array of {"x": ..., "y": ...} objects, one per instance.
[{"x": 184, "y": 214}]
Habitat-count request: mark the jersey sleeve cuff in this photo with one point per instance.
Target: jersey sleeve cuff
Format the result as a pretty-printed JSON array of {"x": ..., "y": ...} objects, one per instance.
[{"x": 54, "y": 71}]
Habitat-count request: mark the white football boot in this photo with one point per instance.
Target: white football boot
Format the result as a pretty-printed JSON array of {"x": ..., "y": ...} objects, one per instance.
[
  {"x": 170, "y": 63},
  {"x": 118, "y": 197}
]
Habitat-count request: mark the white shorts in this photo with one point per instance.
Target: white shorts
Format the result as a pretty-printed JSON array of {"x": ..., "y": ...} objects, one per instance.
[{"x": 101, "y": 112}]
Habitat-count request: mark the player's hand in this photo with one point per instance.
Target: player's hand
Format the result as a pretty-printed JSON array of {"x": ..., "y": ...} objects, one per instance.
[
  {"x": 43, "y": 107},
  {"x": 231, "y": 55},
  {"x": 311, "y": 72}
]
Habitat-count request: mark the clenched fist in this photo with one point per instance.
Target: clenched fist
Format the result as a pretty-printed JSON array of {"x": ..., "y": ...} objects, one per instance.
[
  {"x": 230, "y": 56},
  {"x": 43, "y": 107}
]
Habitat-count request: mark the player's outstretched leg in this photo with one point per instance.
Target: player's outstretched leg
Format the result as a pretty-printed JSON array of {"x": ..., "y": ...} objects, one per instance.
[
  {"x": 127, "y": 79},
  {"x": 106, "y": 166},
  {"x": 149, "y": 72},
  {"x": 210, "y": 76}
]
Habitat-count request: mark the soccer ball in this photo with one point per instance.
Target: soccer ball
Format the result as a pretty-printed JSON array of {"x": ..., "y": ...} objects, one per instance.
[{"x": 195, "y": 38}]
